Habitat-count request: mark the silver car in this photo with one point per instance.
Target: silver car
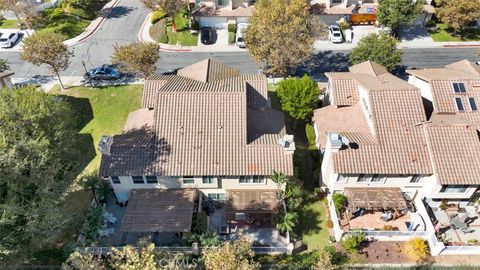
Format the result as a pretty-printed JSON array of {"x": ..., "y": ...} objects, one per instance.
[
  {"x": 7, "y": 40},
  {"x": 239, "y": 39}
]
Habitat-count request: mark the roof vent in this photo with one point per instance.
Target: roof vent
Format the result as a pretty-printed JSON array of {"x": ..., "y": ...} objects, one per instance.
[
  {"x": 287, "y": 143},
  {"x": 105, "y": 144}
]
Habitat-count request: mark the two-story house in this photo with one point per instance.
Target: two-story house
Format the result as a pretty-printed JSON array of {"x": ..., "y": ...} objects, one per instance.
[
  {"x": 220, "y": 13},
  {"x": 209, "y": 129},
  {"x": 375, "y": 132}
]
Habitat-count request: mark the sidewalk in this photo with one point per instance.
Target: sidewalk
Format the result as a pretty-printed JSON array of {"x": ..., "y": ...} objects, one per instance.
[
  {"x": 48, "y": 82},
  {"x": 94, "y": 25}
]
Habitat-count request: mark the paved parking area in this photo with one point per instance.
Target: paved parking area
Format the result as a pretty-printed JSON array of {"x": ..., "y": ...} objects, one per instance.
[
  {"x": 359, "y": 32},
  {"x": 220, "y": 41},
  {"x": 17, "y": 47}
]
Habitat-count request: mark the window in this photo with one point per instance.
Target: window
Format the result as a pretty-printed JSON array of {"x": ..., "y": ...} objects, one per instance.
[
  {"x": 115, "y": 179},
  {"x": 207, "y": 179},
  {"x": 473, "y": 105},
  {"x": 454, "y": 189},
  {"x": 222, "y": 2},
  {"x": 216, "y": 196},
  {"x": 377, "y": 178},
  {"x": 415, "y": 179},
  {"x": 137, "y": 180},
  {"x": 459, "y": 103},
  {"x": 254, "y": 179},
  {"x": 459, "y": 87},
  {"x": 188, "y": 180},
  {"x": 362, "y": 178},
  {"x": 151, "y": 179},
  {"x": 341, "y": 178}
]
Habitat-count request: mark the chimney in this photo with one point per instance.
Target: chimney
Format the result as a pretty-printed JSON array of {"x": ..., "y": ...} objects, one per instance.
[
  {"x": 105, "y": 144},
  {"x": 287, "y": 143},
  {"x": 336, "y": 141}
]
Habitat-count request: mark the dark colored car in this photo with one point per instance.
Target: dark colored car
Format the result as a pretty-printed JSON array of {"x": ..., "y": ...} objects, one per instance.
[
  {"x": 103, "y": 73},
  {"x": 206, "y": 35}
]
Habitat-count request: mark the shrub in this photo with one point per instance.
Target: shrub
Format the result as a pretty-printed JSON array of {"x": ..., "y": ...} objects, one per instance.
[
  {"x": 232, "y": 27},
  {"x": 159, "y": 31},
  {"x": 472, "y": 241},
  {"x": 329, "y": 224},
  {"x": 92, "y": 223},
  {"x": 389, "y": 228},
  {"x": 337, "y": 257},
  {"x": 353, "y": 241},
  {"x": 199, "y": 223},
  {"x": 443, "y": 205},
  {"x": 340, "y": 201},
  {"x": 417, "y": 249},
  {"x": 344, "y": 25},
  {"x": 157, "y": 15}
]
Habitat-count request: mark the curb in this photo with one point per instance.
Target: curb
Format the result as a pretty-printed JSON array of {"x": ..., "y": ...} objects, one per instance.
[
  {"x": 462, "y": 46},
  {"x": 102, "y": 18},
  {"x": 162, "y": 48}
]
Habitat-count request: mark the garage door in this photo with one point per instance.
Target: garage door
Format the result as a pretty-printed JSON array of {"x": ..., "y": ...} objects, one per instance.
[
  {"x": 216, "y": 22},
  {"x": 242, "y": 20}
]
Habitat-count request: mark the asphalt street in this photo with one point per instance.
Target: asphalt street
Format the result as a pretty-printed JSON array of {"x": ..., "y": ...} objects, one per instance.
[{"x": 126, "y": 18}]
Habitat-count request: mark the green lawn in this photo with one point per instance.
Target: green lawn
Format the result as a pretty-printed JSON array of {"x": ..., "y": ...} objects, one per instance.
[
  {"x": 443, "y": 33},
  {"x": 312, "y": 228},
  {"x": 182, "y": 36},
  {"x": 68, "y": 25},
  {"x": 103, "y": 110},
  {"x": 9, "y": 24}
]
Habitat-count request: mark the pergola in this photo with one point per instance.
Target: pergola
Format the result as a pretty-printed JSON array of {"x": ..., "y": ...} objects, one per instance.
[
  {"x": 373, "y": 198},
  {"x": 158, "y": 210}
]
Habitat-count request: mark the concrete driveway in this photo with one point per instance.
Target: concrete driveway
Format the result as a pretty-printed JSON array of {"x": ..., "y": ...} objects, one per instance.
[
  {"x": 359, "y": 31},
  {"x": 221, "y": 39}
]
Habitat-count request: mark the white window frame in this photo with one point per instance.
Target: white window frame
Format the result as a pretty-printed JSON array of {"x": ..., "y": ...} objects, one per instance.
[
  {"x": 188, "y": 178},
  {"x": 416, "y": 177},
  {"x": 369, "y": 178},
  {"x": 470, "y": 100},
  {"x": 342, "y": 178},
  {"x": 133, "y": 181},
  {"x": 118, "y": 178},
  {"x": 217, "y": 198},
  {"x": 454, "y": 192},
  {"x": 212, "y": 180},
  {"x": 151, "y": 183},
  {"x": 380, "y": 177},
  {"x": 249, "y": 180}
]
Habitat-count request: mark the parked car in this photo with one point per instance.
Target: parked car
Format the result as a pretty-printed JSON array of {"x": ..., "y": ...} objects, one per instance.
[
  {"x": 239, "y": 39},
  {"x": 206, "y": 35},
  {"x": 7, "y": 40},
  {"x": 335, "y": 34},
  {"x": 103, "y": 73}
]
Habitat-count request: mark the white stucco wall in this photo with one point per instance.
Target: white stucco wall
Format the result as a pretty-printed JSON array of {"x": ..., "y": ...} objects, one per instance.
[
  {"x": 424, "y": 87},
  {"x": 432, "y": 191}
]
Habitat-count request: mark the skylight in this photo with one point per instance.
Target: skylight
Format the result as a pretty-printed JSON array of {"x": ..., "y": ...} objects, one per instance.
[
  {"x": 459, "y": 87},
  {"x": 473, "y": 105},
  {"x": 459, "y": 103}
]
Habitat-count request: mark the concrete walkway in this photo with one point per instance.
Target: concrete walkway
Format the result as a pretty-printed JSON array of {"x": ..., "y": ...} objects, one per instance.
[{"x": 48, "y": 82}]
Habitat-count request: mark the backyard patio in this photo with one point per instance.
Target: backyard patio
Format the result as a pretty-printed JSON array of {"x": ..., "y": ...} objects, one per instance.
[{"x": 458, "y": 225}]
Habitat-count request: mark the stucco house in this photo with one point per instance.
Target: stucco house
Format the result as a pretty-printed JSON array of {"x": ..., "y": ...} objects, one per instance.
[
  {"x": 209, "y": 129},
  {"x": 220, "y": 13}
]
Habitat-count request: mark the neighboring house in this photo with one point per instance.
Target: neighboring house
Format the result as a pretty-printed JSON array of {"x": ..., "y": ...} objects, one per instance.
[
  {"x": 385, "y": 147},
  {"x": 375, "y": 132},
  {"x": 331, "y": 11},
  {"x": 451, "y": 96},
  {"x": 220, "y": 13},
  {"x": 208, "y": 128}
]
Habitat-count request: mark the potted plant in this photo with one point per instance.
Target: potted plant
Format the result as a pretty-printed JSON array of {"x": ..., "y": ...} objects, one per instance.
[{"x": 472, "y": 242}]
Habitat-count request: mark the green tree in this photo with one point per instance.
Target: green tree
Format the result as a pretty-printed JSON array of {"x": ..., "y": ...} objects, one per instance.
[
  {"x": 340, "y": 202},
  {"x": 381, "y": 49},
  {"x": 171, "y": 7},
  {"x": 281, "y": 34},
  {"x": 92, "y": 182},
  {"x": 457, "y": 14},
  {"x": 4, "y": 65},
  {"x": 37, "y": 148},
  {"x": 82, "y": 8},
  {"x": 138, "y": 57},
  {"x": 298, "y": 96},
  {"x": 353, "y": 241},
  {"x": 131, "y": 258},
  {"x": 47, "y": 48},
  {"x": 285, "y": 221},
  {"x": 231, "y": 255},
  {"x": 393, "y": 13}
]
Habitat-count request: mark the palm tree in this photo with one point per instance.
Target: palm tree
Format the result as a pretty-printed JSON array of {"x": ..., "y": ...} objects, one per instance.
[
  {"x": 285, "y": 221},
  {"x": 280, "y": 179}
]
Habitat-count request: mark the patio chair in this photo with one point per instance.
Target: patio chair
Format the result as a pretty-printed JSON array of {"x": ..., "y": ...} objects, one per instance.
[
  {"x": 106, "y": 232},
  {"x": 234, "y": 229},
  {"x": 110, "y": 218}
]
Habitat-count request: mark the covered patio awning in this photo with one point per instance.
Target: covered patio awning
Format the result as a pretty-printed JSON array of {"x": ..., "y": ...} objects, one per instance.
[
  {"x": 375, "y": 198},
  {"x": 158, "y": 210},
  {"x": 252, "y": 201}
]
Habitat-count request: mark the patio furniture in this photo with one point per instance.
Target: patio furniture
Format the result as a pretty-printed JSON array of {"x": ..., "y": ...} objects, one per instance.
[
  {"x": 234, "y": 229},
  {"x": 458, "y": 223},
  {"x": 387, "y": 216},
  {"x": 109, "y": 217},
  {"x": 106, "y": 232}
]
